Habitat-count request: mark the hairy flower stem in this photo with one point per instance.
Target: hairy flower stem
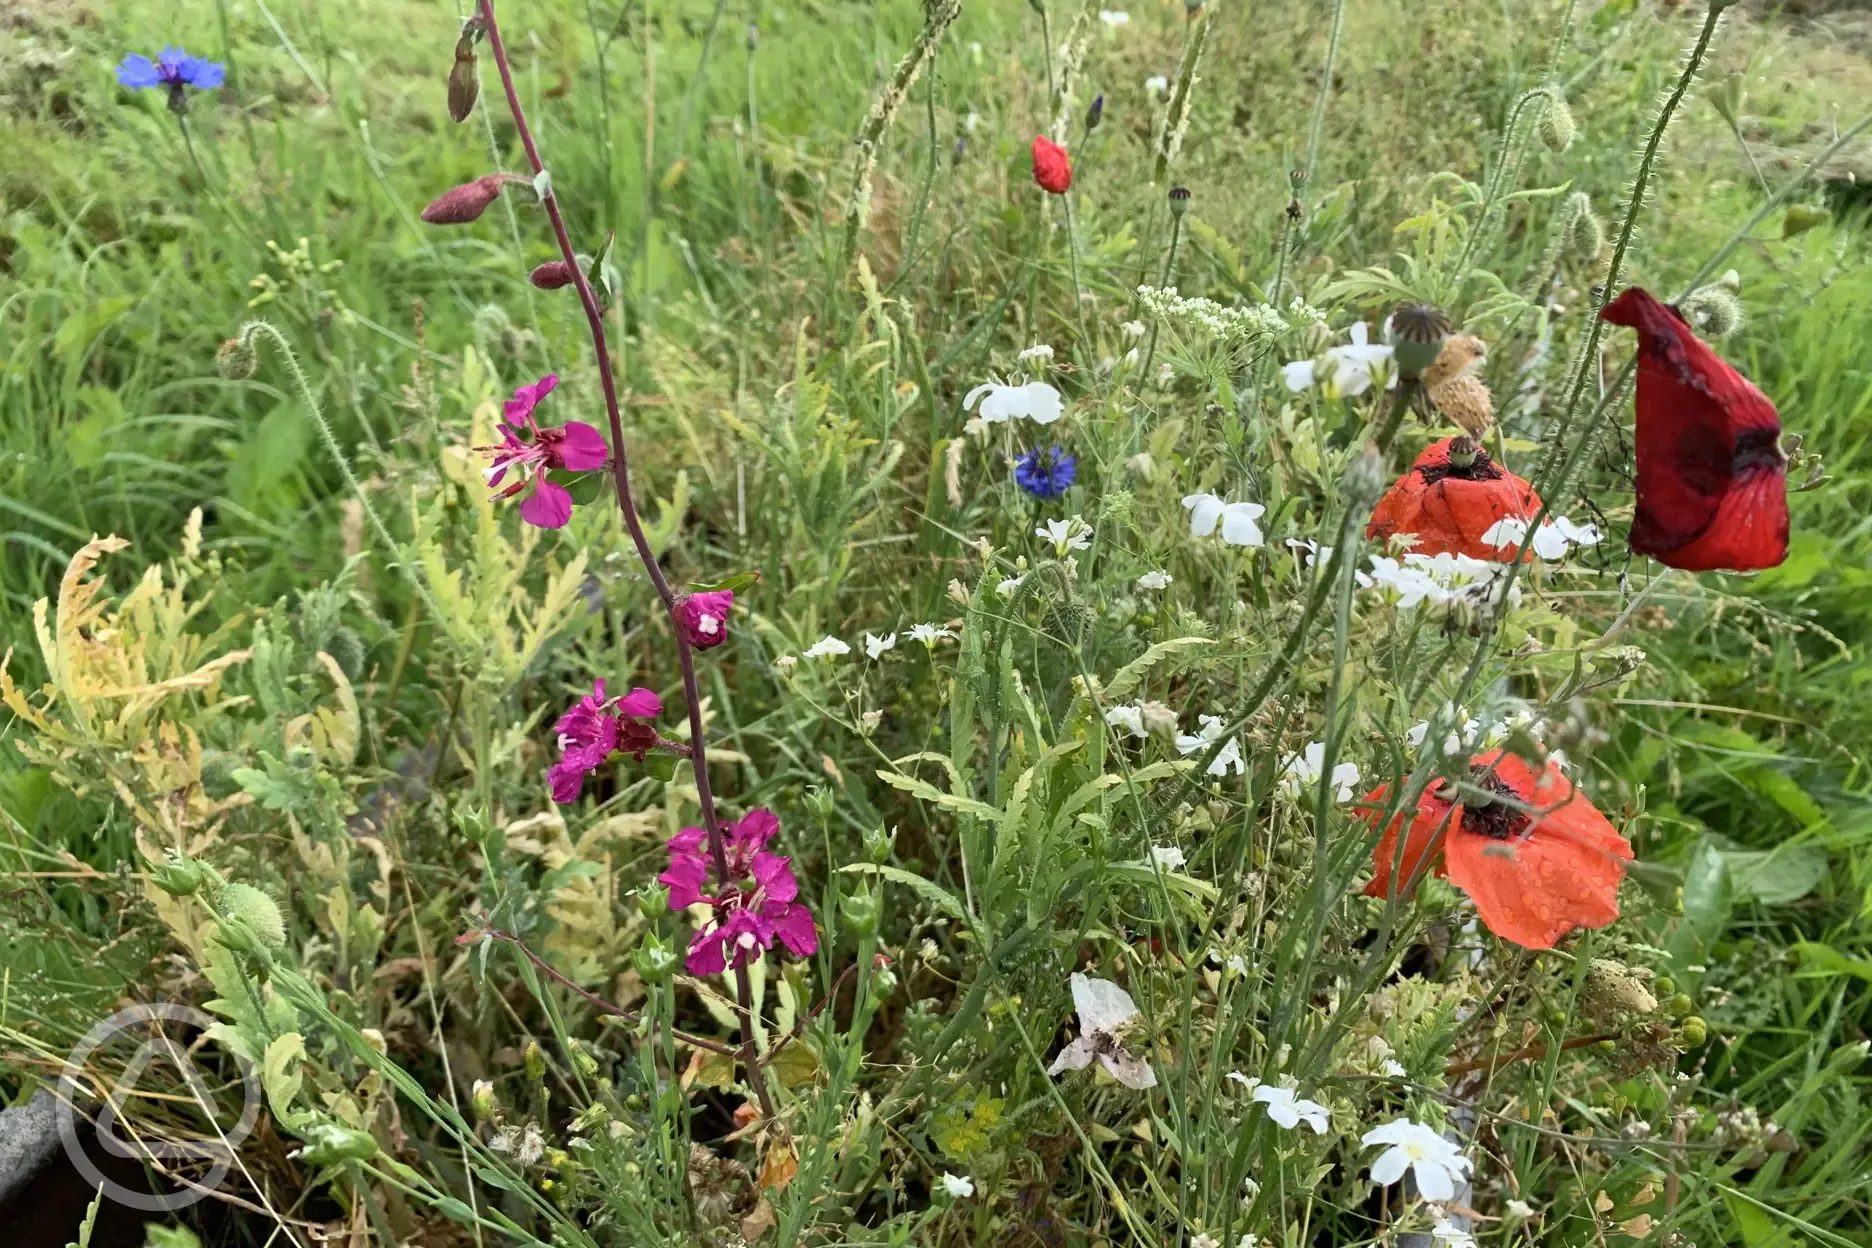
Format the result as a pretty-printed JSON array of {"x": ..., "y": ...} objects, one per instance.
[
  {"x": 1163, "y": 283},
  {"x": 627, "y": 507}
]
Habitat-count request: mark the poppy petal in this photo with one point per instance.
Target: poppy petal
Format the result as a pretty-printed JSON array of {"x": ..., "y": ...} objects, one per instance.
[{"x": 1427, "y": 826}]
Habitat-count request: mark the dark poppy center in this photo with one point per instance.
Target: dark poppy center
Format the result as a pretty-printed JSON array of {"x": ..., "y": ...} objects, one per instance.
[
  {"x": 1483, "y": 469},
  {"x": 1498, "y": 820},
  {"x": 1756, "y": 450}
]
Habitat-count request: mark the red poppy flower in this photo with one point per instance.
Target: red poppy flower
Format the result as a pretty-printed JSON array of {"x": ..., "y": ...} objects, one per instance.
[
  {"x": 1450, "y": 505},
  {"x": 1538, "y": 860},
  {"x": 1712, "y": 481},
  {"x": 1052, "y": 169}
]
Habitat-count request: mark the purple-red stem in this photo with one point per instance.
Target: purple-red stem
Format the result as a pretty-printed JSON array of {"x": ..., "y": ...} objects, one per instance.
[{"x": 620, "y": 475}]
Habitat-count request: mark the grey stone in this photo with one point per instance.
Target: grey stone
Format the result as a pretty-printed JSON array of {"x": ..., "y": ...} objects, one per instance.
[{"x": 29, "y": 1139}]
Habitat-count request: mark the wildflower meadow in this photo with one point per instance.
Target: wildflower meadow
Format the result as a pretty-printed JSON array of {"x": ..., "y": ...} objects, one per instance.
[{"x": 1231, "y": 624}]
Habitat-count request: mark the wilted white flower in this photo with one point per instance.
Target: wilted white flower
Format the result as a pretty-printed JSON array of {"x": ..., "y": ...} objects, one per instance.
[
  {"x": 1141, "y": 463},
  {"x": 1438, "y": 1165},
  {"x": 870, "y": 720},
  {"x": 958, "y": 1186},
  {"x": 1035, "y": 401},
  {"x": 825, "y": 648},
  {"x": 1129, "y": 718},
  {"x": 1237, "y": 519},
  {"x": 1155, "y": 580},
  {"x": 876, "y": 646},
  {"x": 1114, "y": 18},
  {"x": 1205, "y": 1240},
  {"x": 1303, "y": 771},
  {"x": 1348, "y": 370},
  {"x": 786, "y": 663},
  {"x": 1132, "y": 329},
  {"x": 1039, "y": 351},
  {"x": 1072, "y": 534},
  {"x": 1158, "y": 717},
  {"x": 1156, "y": 84},
  {"x": 1392, "y": 1068},
  {"x": 1288, "y": 1109},
  {"x": 1165, "y": 372},
  {"x": 929, "y": 634},
  {"x": 1103, "y": 1008},
  {"x": 1007, "y": 587},
  {"x": 1169, "y": 857},
  {"x": 1553, "y": 540},
  {"x": 532, "y": 1146},
  {"x": 1518, "y": 1209}
]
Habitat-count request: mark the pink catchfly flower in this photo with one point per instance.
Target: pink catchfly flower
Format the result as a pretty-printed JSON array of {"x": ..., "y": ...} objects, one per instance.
[
  {"x": 574, "y": 447},
  {"x": 702, "y": 618},
  {"x": 758, "y": 904},
  {"x": 596, "y": 728}
]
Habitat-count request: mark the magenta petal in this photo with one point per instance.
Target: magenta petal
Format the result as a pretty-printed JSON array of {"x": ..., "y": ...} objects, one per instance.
[
  {"x": 775, "y": 876},
  {"x": 567, "y": 777},
  {"x": 756, "y": 828},
  {"x": 581, "y": 447},
  {"x": 519, "y": 408},
  {"x": 687, "y": 841},
  {"x": 549, "y": 506},
  {"x": 708, "y": 952},
  {"x": 794, "y": 926},
  {"x": 684, "y": 879},
  {"x": 640, "y": 703}
]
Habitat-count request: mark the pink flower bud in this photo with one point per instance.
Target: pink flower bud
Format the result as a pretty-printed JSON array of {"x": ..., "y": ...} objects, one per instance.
[
  {"x": 551, "y": 275},
  {"x": 702, "y": 619},
  {"x": 462, "y": 204}
]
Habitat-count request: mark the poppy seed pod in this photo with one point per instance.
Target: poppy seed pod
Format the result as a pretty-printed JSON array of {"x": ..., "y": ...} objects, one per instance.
[
  {"x": 1417, "y": 332},
  {"x": 1179, "y": 200},
  {"x": 462, "y": 204},
  {"x": 1052, "y": 169},
  {"x": 1556, "y": 128},
  {"x": 552, "y": 275}
]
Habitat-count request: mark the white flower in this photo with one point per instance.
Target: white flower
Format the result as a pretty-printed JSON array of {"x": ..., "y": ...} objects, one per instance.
[
  {"x": 1130, "y": 718},
  {"x": 1438, "y": 1165},
  {"x": 1552, "y": 540},
  {"x": 1303, "y": 771},
  {"x": 1237, "y": 519},
  {"x": 1155, "y": 580},
  {"x": 1156, "y": 84},
  {"x": 1114, "y": 18},
  {"x": 1132, "y": 329},
  {"x": 1035, "y": 401},
  {"x": 1205, "y": 1240},
  {"x": 825, "y": 648},
  {"x": 1289, "y": 1110},
  {"x": 1248, "y": 1240},
  {"x": 871, "y": 719},
  {"x": 929, "y": 634},
  {"x": 1449, "y": 1235},
  {"x": 1103, "y": 1008},
  {"x": 1006, "y": 588},
  {"x": 1349, "y": 369},
  {"x": 1073, "y": 534},
  {"x": 876, "y": 646},
  {"x": 786, "y": 663},
  {"x": 1392, "y": 1068},
  {"x": 1231, "y": 756},
  {"x": 1169, "y": 857},
  {"x": 1210, "y": 732},
  {"x": 532, "y": 1146},
  {"x": 958, "y": 1186},
  {"x": 1519, "y": 1209},
  {"x": 1039, "y": 351},
  {"x": 974, "y": 118}
]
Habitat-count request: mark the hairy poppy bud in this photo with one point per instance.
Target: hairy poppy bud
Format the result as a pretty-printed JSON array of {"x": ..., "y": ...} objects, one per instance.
[
  {"x": 1555, "y": 127},
  {"x": 552, "y": 275},
  {"x": 1052, "y": 170},
  {"x": 237, "y": 360},
  {"x": 256, "y": 911},
  {"x": 1713, "y": 311},
  {"x": 1365, "y": 476},
  {"x": 1095, "y": 114},
  {"x": 462, "y": 204},
  {"x": 1588, "y": 238},
  {"x": 464, "y": 80},
  {"x": 702, "y": 618},
  {"x": 1418, "y": 331},
  {"x": 1179, "y": 200}
]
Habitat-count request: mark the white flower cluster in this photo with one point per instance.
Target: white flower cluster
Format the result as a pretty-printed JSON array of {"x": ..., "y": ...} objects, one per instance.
[
  {"x": 1345, "y": 372},
  {"x": 1439, "y": 579},
  {"x": 1304, "y": 770},
  {"x": 1207, "y": 735},
  {"x": 1553, "y": 540},
  {"x": 1233, "y": 326}
]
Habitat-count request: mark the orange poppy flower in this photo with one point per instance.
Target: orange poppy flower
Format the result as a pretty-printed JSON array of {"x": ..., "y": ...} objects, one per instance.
[
  {"x": 1449, "y": 506},
  {"x": 1538, "y": 861}
]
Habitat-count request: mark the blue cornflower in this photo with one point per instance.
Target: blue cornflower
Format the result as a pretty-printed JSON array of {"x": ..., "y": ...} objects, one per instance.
[
  {"x": 174, "y": 69},
  {"x": 1045, "y": 474}
]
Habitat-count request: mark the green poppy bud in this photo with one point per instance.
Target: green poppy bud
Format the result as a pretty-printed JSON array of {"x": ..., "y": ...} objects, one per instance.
[
  {"x": 1556, "y": 128},
  {"x": 237, "y": 359},
  {"x": 257, "y": 912},
  {"x": 328, "y": 1143}
]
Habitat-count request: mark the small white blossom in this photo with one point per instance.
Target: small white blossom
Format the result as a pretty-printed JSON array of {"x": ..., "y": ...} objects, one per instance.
[
  {"x": 1392, "y": 1068},
  {"x": 1103, "y": 1009},
  {"x": 1169, "y": 857},
  {"x": 825, "y": 648},
  {"x": 1156, "y": 84},
  {"x": 1349, "y": 370},
  {"x": 929, "y": 634},
  {"x": 1155, "y": 580},
  {"x": 1035, "y": 401},
  {"x": 1114, "y": 18},
  {"x": 1237, "y": 519},
  {"x": 1039, "y": 351},
  {"x": 1232, "y": 326},
  {"x": 1448, "y": 1235},
  {"x": 1129, "y": 718},
  {"x": 1066, "y": 535},
  {"x": 876, "y": 646},
  {"x": 1303, "y": 772},
  {"x": 870, "y": 720},
  {"x": 974, "y": 118},
  {"x": 1132, "y": 329},
  {"x": 1438, "y": 1165},
  {"x": 1289, "y": 1110},
  {"x": 1519, "y": 1209},
  {"x": 1205, "y": 1240},
  {"x": 958, "y": 1187},
  {"x": 1553, "y": 540},
  {"x": 1207, "y": 735},
  {"x": 1231, "y": 756},
  {"x": 786, "y": 663}
]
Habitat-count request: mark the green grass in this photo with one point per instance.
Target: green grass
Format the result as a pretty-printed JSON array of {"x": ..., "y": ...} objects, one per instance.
[{"x": 785, "y": 417}]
